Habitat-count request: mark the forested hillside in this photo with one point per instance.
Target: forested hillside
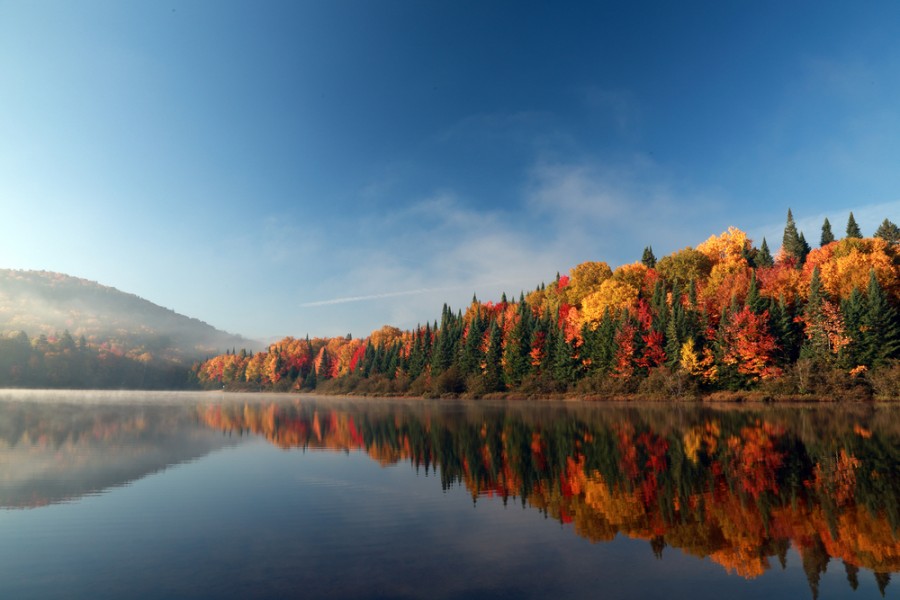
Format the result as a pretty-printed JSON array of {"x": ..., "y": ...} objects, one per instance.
[
  {"x": 726, "y": 315},
  {"x": 62, "y": 331}
]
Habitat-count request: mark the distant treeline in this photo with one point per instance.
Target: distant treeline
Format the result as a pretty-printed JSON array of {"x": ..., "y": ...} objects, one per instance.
[
  {"x": 61, "y": 361},
  {"x": 724, "y": 316}
]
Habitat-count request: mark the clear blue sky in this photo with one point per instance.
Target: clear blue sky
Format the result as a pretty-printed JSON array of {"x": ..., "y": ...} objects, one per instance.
[{"x": 284, "y": 168}]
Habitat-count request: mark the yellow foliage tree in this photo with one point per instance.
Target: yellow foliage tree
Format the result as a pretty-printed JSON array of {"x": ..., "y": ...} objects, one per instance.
[
  {"x": 684, "y": 266},
  {"x": 586, "y": 279},
  {"x": 846, "y": 264},
  {"x": 632, "y": 274},
  {"x": 613, "y": 294},
  {"x": 729, "y": 247}
]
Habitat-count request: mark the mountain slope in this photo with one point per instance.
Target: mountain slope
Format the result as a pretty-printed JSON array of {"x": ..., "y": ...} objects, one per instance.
[{"x": 43, "y": 302}]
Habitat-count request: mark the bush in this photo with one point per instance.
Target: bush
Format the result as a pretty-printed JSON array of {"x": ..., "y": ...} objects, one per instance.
[
  {"x": 885, "y": 381},
  {"x": 665, "y": 384}
]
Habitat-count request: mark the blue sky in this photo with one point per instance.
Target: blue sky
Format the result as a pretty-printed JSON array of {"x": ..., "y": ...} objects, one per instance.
[{"x": 284, "y": 168}]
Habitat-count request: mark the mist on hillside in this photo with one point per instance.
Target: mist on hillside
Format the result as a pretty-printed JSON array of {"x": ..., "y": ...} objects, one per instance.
[{"x": 46, "y": 303}]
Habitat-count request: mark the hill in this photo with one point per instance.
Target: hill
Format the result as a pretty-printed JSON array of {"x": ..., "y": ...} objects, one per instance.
[{"x": 47, "y": 303}]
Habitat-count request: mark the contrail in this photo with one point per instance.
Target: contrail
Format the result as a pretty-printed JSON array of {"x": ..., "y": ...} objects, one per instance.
[
  {"x": 396, "y": 294},
  {"x": 377, "y": 296}
]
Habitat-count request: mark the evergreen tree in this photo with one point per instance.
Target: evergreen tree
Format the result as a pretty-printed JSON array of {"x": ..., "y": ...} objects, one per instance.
[
  {"x": 565, "y": 365},
  {"x": 804, "y": 248},
  {"x": 853, "y": 230},
  {"x": 764, "y": 256},
  {"x": 648, "y": 259},
  {"x": 791, "y": 243},
  {"x": 853, "y": 310},
  {"x": 787, "y": 333},
  {"x": 888, "y": 231},
  {"x": 754, "y": 301},
  {"x": 816, "y": 344},
  {"x": 324, "y": 366},
  {"x": 493, "y": 373},
  {"x": 472, "y": 356},
  {"x": 673, "y": 341},
  {"x": 881, "y": 341},
  {"x": 517, "y": 354},
  {"x": 827, "y": 235}
]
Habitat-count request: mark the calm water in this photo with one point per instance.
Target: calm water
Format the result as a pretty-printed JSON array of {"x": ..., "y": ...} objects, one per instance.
[{"x": 249, "y": 496}]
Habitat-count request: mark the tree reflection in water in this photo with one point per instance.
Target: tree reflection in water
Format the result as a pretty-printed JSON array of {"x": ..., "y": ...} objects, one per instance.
[{"x": 737, "y": 486}]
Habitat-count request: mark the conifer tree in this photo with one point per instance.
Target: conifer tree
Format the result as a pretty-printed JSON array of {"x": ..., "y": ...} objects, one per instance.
[
  {"x": 853, "y": 230},
  {"x": 827, "y": 235},
  {"x": 472, "y": 355},
  {"x": 564, "y": 361},
  {"x": 804, "y": 248},
  {"x": 648, "y": 259},
  {"x": 854, "y": 309},
  {"x": 764, "y": 256},
  {"x": 754, "y": 301},
  {"x": 517, "y": 354},
  {"x": 888, "y": 231},
  {"x": 324, "y": 366},
  {"x": 493, "y": 374},
  {"x": 791, "y": 242},
  {"x": 881, "y": 341}
]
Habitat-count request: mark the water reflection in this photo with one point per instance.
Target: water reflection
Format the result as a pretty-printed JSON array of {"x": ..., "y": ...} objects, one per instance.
[{"x": 740, "y": 487}]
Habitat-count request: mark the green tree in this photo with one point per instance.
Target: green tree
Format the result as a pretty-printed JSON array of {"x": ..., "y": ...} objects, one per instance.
[
  {"x": 827, "y": 235},
  {"x": 852, "y": 228},
  {"x": 493, "y": 372},
  {"x": 881, "y": 341},
  {"x": 648, "y": 258},
  {"x": 792, "y": 244},
  {"x": 764, "y": 256},
  {"x": 888, "y": 231}
]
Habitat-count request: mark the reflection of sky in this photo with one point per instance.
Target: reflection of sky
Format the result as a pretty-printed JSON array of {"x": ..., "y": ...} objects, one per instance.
[{"x": 257, "y": 521}]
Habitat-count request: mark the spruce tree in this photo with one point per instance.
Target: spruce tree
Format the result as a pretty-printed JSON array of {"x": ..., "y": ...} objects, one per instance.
[
  {"x": 816, "y": 345},
  {"x": 853, "y": 309},
  {"x": 517, "y": 353},
  {"x": 564, "y": 361},
  {"x": 888, "y": 231},
  {"x": 648, "y": 259},
  {"x": 853, "y": 230},
  {"x": 804, "y": 248},
  {"x": 881, "y": 340},
  {"x": 493, "y": 370},
  {"x": 764, "y": 256},
  {"x": 827, "y": 235},
  {"x": 472, "y": 355},
  {"x": 791, "y": 243},
  {"x": 754, "y": 301}
]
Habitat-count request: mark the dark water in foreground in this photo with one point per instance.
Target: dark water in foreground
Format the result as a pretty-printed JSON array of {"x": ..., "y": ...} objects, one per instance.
[{"x": 208, "y": 496}]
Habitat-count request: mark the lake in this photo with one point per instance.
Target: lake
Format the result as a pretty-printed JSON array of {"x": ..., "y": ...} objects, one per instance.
[{"x": 199, "y": 495}]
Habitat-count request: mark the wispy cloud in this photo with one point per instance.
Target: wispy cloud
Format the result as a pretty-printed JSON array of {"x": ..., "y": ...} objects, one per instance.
[{"x": 347, "y": 299}]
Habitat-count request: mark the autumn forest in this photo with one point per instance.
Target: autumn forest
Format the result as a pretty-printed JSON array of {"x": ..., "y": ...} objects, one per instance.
[{"x": 727, "y": 318}]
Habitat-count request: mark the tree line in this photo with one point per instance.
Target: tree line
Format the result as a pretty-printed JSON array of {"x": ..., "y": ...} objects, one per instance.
[{"x": 724, "y": 316}]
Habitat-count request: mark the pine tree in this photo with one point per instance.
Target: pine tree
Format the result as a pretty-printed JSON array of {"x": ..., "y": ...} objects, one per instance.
[
  {"x": 754, "y": 301},
  {"x": 764, "y": 256},
  {"x": 791, "y": 243},
  {"x": 881, "y": 340},
  {"x": 324, "y": 366},
  {"x": 827, "y": 235},
  {"x": 853, "y": 230},
  {"x": 517, "y": 354},
  {"x": 493, "y": 371},
  {"x": 648, "y": 259},
  {"x": 564, "y": 361},
  {"x": 888, "y": 231},
  {"x": 853, "y": 309},
  {"x": 471, "y": 357},
  {"x": 804, "y": 248}
]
